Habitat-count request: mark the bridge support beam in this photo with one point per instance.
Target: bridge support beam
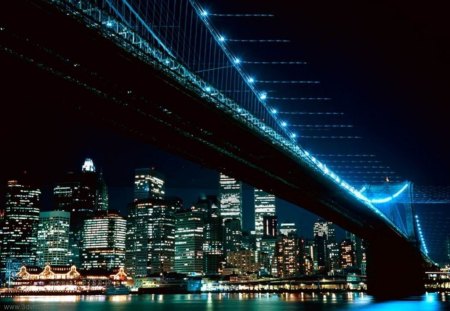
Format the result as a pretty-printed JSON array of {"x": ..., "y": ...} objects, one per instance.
[{"x": 394, "y": 269}]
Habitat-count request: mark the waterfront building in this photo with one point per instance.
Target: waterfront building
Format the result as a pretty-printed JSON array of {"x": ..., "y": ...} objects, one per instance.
[
  {"x": 150, "y": 237},
  {"x": 213, "y": 234},
  {"x": 104, "y": 241},
  {"x": 82, "y": 194},
  {"x": 286, "y": 255},
  {"x": 20, "y": 223},
  {"x": 327, "y": 230},
  {"x": 348, "y": 258},
  {"x": 189, "y": 240},
  {"x": 53, "y": 238},
  {"x": 243, "y": 261},
  {"x": 232, "y": 236}
]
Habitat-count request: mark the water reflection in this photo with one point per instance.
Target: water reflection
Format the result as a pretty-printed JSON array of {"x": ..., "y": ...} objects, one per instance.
[{"x": 230, "y": 302}]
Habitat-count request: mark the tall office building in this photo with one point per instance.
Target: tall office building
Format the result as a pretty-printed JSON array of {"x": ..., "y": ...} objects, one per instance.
[
  {"x": 150, "y": 237},
  {"x": 189, "y": 240},
  {"x": 151, "y": 226},
  {"x": 287, "y": 255},
  {"x": 230, "y": 198},
  {"x": 213, "y": 253},
  {"x": 270, "y": 226},
  {"x": 264, "y": 206},
  {"x": 348, "y": 259},
  {"x": 287, "y": 227},
  {"x": 327, "y": 230},
  {"x": 82, "y": 194},
  {"x": 104, "y": 241},
  {"x": 232, "y": 236},
  {"x": 148, "y": 184},
  {"x": 53, "y": 238},
  {"x": 19, "y": 234}
]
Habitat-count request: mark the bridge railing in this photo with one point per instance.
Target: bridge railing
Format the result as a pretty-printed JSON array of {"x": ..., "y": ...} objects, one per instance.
[{"x": 115, "y": 30}]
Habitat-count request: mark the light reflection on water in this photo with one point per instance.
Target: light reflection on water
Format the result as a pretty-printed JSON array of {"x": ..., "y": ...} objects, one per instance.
[{"x": 227, "y": 302}]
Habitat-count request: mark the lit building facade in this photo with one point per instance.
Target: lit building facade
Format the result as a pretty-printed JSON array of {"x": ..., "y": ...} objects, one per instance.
[
  {"x": 232, "y": 236},
  {"x": 213, "y": 234},
  {"x": 148, "y": 184},
  {"x": 53, "y": 238},
  {"x": 348, "y": 259},
  {"x": 189, "y": 240},
  {"x": 150, "y": 237},
  {"x": 264, "y": 206},
  {"x": 104, "y": 241},
  {"x": 287, "y": 227},
  {"x": 82, "y": 194},
  {"x": 326, "y": 231},
  {"x": 19, "y": 234},
  {"x": 230, "y": 198},
  {"x": 243, "y": 261},
  {"x": 286, "y": 255}
]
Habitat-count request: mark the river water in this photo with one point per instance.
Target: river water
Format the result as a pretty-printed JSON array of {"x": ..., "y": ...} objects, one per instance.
[{"x": 223, "y": 302}]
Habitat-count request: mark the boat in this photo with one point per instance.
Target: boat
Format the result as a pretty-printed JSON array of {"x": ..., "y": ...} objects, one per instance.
[{"x": 117, "y": 290}]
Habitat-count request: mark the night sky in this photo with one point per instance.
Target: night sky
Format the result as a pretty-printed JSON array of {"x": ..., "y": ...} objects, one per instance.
[{"x": 384, "y": 65}]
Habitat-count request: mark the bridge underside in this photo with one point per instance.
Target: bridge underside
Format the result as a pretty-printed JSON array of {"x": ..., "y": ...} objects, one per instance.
[{"x": 55, "y": 66}]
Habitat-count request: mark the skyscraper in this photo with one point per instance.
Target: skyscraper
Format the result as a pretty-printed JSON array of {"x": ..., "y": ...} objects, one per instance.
[
  {"x": 232, "y": 236},
  {"x": 327, "y": 230},
  {"x": 150, "y": 237},
  {"x": 104, "y": 241},
  {"x": 286, "y": 255},
  {"x": 288, "y": 227},
  {"x": 19, "y": 234},
  {"x": 213, "y": 253},
  {"x": 230, "y": 198},
  {"x": 53, "y": 238},
  {"x": 82, "y": 194},
  {"x": 348, "y": 259},
  {"x": 264, "y": 206},
  {"x": 151, "y": 226},
  {"x": 148, "y": 184},
  {"x": 189, "y": 239}
]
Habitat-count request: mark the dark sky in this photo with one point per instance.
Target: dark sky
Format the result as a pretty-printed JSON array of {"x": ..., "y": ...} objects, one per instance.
[{"x": 385, "y": 65}]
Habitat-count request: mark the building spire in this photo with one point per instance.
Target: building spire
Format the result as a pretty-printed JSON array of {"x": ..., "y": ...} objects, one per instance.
[{"x": 88, "y": 166}]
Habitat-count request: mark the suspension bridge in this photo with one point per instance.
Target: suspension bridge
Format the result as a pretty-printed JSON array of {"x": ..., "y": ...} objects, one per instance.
[{"x": 161, "y": 72}]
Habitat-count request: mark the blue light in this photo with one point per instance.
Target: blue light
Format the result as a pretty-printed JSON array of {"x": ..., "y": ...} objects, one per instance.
[
  {"x": 237, "y": 61},
  {"x": 221, "y": 38},
  {"x": 109, "y": 24},
  {"x": 204, "y": 13},
  {"x": 293, "y": 135},
  {"x": 283, "y": 124},
  {"x": 208, "y": 89},
  {"x": 263, "y": 96},
  {"x": 387, "y": 199},
  {"x": 251, "y": 80},
  {"x": 274, "y": 111}
]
